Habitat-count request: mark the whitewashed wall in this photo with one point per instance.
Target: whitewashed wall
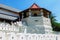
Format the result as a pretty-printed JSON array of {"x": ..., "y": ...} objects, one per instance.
[
  {"x": 38, "y": 25},
  {"x": 5, "y": 27},
  {"x": 22, "y": 36}
]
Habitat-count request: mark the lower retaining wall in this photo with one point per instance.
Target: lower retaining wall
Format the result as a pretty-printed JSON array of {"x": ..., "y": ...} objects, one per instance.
[{"x": 22, "y": 36}]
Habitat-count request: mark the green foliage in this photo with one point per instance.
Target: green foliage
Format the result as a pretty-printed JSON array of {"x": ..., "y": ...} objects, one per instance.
[{"x": 55, "y": 25}]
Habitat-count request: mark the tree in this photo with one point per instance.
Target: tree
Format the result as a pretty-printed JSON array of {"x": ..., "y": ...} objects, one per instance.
[{"x": 55, "y": 25}]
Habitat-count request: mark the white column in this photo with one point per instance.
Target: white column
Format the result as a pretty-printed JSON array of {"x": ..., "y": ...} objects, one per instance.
[
  {"x": 29, "y": 13},
  {"x": 41, "y": 12},
  {"x": 48, "y": 14}
]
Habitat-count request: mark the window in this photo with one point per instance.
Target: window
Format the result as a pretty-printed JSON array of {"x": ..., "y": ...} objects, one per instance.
[
  {"x": 12, "y": 37},
  {"x": 36, "y": 20},
  {"x": 0, "y": 37},
  {"x": 2, "y": 28},
  {"x": 22, "y": 37}
]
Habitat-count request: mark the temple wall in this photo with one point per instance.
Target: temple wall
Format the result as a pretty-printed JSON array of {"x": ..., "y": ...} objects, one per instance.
[
  {"x": 22, "y": 36},
  {"x": 5, "y": 27},
  {"x": 39, "y": 25}
]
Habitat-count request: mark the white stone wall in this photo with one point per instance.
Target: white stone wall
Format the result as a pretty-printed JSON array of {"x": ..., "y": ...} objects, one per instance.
[
  {"x": 6, "y": 27},
  {"x": 34, "y": 21},
  {"x": 40, "y": 25},
  {"x": 22, "y": 36},
  {"x": 34, "y": 25},
  {"x": 46, "y": 21},
  {"x": 47, "y": 25}
]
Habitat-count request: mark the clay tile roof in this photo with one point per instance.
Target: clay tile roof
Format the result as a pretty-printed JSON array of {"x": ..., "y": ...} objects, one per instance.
[{"x": 34, "y": 6}]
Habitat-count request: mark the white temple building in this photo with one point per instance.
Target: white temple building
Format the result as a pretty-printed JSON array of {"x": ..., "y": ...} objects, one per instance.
[{"x": 31, "y": 24}]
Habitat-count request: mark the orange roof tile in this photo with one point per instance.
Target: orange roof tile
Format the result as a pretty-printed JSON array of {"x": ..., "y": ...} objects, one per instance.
[{"x": 34, "y": 6}]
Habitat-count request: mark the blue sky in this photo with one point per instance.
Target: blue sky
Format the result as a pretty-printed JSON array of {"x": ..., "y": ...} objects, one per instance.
[{"x": 52, "y": 5}]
